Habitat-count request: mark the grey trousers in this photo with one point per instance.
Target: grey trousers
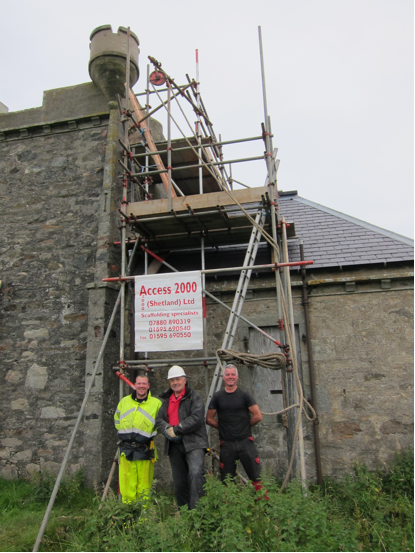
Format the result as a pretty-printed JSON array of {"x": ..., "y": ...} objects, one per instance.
[{"x": 188, "y": 474}]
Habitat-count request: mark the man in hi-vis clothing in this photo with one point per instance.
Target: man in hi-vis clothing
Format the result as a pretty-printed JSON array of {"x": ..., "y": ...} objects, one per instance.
[{"x": 135, "y": 420}]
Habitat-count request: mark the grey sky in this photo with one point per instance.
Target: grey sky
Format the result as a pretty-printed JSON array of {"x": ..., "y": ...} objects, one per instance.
[{"x": 339, "y": 83}]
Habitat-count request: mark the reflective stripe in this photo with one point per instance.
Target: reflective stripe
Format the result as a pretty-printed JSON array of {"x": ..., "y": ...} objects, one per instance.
[
  {"x": 118, "y": 411},
  {"x": 140, "y": 410},
  {"x": 149, "y": 417},
  {"x": 127, "y": 413},
  {"x": 116, "y": 422},
  {"x": 137, "y": 431}
]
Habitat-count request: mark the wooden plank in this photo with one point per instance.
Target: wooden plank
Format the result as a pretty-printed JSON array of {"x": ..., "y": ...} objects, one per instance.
[
  {"x": 196, "y": 201},
  {"x": 155, "y": 265},
  {"x": 150, "y": 143}
]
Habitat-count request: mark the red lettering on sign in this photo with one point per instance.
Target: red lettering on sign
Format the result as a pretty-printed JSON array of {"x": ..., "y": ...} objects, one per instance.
[
  {"x": 185, "y": 287},
  {"x": 155, "y": 291}
]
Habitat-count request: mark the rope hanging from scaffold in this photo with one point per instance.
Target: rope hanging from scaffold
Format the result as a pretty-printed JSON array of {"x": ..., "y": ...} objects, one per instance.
[{"x": 274, "y": 361}]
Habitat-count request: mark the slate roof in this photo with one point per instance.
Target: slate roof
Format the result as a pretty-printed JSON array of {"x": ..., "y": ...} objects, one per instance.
[{"x": 333, "y": 239}]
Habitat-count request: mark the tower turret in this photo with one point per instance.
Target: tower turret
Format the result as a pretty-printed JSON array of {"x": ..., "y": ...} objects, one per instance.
[{"x": 108, "y": 59}]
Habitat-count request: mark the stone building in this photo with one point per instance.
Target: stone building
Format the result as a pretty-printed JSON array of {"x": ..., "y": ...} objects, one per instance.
[{"x": 60, "y": 194}]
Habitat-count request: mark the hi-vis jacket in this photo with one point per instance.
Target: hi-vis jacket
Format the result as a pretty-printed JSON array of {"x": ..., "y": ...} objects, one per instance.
[{"x": 136, "y": 422}]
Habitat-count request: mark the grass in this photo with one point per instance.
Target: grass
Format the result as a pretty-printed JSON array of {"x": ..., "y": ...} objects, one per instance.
[
  {"x": 23, "y": 505},
  {"x": 366, "y": 511}
]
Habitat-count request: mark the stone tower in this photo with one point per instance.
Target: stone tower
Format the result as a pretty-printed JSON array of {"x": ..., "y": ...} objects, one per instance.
[{"x": 108, "y": 57}]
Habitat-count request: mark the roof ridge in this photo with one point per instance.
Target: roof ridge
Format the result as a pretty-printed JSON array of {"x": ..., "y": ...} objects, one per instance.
[{"x": 390, "y": 234}]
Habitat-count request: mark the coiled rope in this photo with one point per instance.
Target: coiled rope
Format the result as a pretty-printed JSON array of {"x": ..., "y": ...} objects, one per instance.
[{"x": 274, "y": 361}]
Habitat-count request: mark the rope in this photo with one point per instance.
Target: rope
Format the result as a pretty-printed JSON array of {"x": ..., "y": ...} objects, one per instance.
[
  {"x": 284, "y": 400},
  {"x": 299, "y": 387},
  {"x": 274, "y": 361},
  {"x": 283, "y": 411}
]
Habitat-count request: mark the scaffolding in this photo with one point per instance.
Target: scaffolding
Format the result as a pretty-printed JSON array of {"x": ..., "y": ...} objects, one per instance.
[{"x": 199, "y": 209}]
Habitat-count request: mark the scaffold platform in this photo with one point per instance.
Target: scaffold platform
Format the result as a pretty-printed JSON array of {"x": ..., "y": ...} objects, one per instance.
[{"x": 213, "y": 216}]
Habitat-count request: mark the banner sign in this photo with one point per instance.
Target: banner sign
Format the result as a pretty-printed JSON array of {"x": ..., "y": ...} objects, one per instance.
[{"x": 169, "y": 312}]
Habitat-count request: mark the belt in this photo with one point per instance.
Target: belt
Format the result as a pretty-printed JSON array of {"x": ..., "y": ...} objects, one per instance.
[
  {"x": 135, "y": 445},
  {"x": 235, "y": 441},
  {"x": 147, "y": 449}
]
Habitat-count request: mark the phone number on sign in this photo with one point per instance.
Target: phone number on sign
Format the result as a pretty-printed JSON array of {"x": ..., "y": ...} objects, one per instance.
[
  {"x": 160, "y": 335},
  {"x": 170, "y": 329},
  {"x": 170, "y": 322}
]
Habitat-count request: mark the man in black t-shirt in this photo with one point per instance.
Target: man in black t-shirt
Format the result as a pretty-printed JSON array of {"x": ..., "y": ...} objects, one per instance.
[{"x": 236, "y": 412}]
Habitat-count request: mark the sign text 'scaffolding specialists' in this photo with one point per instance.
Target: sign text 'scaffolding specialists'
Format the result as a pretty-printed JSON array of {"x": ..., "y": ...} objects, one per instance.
[{"x": 169, "y": 312}]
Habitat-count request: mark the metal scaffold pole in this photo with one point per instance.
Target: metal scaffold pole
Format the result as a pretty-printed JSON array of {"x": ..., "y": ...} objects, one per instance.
[
  {"x": 202, "y": 240},
  {"x": 287, "y": 279},
  {"x": 272, "y": 183},
  {"x": 169, "y": 143},
  {"x": 147, "y": 109},
  {"x": 123, "y": 223}
]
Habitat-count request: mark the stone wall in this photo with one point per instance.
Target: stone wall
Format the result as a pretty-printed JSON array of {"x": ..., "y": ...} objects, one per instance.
[
  {"x": 49, "y": 187},
  {"x": 362, "y": 340},
  {"x": 363, "y": 351}
]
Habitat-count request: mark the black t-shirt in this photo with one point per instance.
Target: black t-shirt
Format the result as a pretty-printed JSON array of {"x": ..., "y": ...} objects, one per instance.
[{"x": 233, "y": 413}]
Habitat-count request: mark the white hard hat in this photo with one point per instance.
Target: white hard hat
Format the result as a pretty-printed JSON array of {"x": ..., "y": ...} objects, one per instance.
[{"x": 175, "y": 372}]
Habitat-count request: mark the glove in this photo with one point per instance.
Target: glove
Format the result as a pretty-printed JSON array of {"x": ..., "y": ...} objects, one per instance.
[{"x": 170, "y": 434}]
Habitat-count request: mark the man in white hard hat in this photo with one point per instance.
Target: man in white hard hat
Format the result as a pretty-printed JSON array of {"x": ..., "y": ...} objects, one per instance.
[{"x": 181, "y": 420}]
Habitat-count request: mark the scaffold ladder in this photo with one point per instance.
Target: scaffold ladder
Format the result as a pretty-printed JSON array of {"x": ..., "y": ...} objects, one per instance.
[{"x": 239, "y": 299}]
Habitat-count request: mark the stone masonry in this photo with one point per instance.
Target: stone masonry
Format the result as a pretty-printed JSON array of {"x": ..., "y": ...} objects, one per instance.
[{"x": 50, "y": 186}]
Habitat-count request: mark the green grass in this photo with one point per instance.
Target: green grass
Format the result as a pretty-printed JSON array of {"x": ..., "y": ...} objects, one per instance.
[
  {"x": 367, "y": 511},
  {"x": 23, "y": 505}
]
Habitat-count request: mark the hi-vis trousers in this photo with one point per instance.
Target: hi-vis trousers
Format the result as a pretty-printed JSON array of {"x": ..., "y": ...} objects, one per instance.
[{"x": 135, "y": 478}]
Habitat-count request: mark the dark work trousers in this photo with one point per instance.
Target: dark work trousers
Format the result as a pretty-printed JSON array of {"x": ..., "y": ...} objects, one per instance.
[
  {"x": 188, "y": 474},
  {"x": 244, "y": 450}
]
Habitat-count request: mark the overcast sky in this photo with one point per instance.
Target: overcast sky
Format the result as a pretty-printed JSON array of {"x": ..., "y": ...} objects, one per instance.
[{"x": 339, "y": 75}]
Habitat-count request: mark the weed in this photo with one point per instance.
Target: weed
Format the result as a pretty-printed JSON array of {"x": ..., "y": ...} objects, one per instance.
[
  {"x": 366, "y": 511},
  {"x": 399, "y": 478},
  {"x": 382, "y": 515},
  {"x": 69, "y": 489}
]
